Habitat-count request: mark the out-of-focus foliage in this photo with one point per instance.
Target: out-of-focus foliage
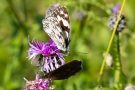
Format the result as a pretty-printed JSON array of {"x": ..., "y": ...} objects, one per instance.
[{"x": 22, "y": 18}]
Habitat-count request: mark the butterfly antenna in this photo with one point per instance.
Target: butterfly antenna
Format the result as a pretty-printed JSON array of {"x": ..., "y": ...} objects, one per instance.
[
  {"x": 82, "y": 52},
  {"x": 78, "y": 52}
]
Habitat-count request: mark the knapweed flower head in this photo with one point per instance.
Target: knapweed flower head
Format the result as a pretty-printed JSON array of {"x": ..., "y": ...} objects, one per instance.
[
  {"x": 113, "y": 18},
  {"x": 38, "y": 84},
  {"x": 47, "y": 54}
]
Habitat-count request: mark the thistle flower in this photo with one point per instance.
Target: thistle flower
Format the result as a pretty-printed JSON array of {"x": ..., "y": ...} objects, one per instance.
[
  {"x": 113, "y": 18},
  {"x": 38, "y": 84},
  {"x": 48, "y": 56}
]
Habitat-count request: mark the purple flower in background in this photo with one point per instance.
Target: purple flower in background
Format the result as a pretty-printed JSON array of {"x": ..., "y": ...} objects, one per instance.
[
  {"x": 48, "y": 54},
  {"x": 113, "y": 18},
  {"x": 38, "y": 84},
  {"x": 79, "y": 15},
  {"x": 116, "y": 9}
]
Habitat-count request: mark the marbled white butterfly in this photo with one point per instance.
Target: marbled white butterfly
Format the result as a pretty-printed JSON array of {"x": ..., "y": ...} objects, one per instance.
[{"x": 57, "y": 25}]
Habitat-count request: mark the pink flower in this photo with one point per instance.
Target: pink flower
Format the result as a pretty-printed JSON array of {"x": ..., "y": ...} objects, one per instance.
[{"x": 38, "y": 84}]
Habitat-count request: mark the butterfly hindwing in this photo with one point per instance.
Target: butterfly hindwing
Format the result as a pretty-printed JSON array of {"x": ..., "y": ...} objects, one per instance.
[
  {"x": 65, "y": 71},
  {"x": 56, "y": 24}
]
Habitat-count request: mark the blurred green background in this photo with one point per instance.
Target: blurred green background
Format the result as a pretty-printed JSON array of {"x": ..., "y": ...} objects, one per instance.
[{"x": 90, "y": 34}]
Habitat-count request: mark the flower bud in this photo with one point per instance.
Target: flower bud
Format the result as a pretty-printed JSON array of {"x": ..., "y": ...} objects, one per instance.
[
  {"x": 130, "y": 87},
  {"x": 109, "y": 60},
  {"x": 113, "y": 18},
  {"x": 121, "y": 24}
]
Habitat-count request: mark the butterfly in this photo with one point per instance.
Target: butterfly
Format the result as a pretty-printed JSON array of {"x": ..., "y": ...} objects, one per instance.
[
  {"x": 57, "y": 25},
  {"x": 65, "y": 71}
]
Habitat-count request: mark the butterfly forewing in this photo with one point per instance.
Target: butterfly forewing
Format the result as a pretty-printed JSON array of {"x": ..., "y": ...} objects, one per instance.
[
  {"x": 56, "y": 24},
  {"x": 65, "y": 71}
]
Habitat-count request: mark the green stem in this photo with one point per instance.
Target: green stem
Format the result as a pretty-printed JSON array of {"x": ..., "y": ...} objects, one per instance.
[
  {"x": 25, "y": 9},
  {"x": 118, "y": 74},
  {"x": 20, "y": 21},
  {"x": 117, "y": 60},
  {"x": 111, "y": 39}
]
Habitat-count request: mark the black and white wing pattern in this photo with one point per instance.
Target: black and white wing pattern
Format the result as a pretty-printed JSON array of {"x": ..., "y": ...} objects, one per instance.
[
  {"x": 57, "y": 25},
  {"x": 65, "y": 71}
]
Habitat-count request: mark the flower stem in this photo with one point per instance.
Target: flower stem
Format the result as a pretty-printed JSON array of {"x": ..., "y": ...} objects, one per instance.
[
  {"x": 118, "y": 74},
  {"x": 116, "y": 57},
  {"x": 110, "y": 42},
  {"x": 18, "y": 18}
]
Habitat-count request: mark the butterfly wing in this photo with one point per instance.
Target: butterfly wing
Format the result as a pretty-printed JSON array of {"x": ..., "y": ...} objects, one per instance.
[
  {"x": 52, "y": 28},
  {"x": 65, "y": 71},
  {"x": 56, "y": 25}
]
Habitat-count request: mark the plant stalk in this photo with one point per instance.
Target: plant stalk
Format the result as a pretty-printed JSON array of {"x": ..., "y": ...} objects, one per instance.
[{"x": 118, "y": 74}]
